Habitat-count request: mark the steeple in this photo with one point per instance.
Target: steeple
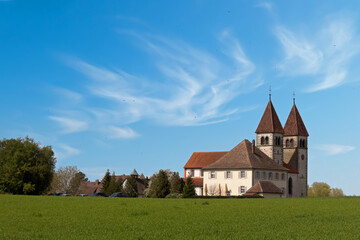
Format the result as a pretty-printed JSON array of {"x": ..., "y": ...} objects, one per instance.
[
  {"x": 294, "y": 125},
  {"x": 269, "y": 122}
]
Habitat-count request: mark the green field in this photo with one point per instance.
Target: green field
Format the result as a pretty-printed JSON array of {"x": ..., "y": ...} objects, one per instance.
[{"x": 47, "y": 217}]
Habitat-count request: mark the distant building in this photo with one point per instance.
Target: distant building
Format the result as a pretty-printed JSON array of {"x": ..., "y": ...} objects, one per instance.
[
  {"x": 276, "y": 166},
  {"x": 94, "y": 187}
]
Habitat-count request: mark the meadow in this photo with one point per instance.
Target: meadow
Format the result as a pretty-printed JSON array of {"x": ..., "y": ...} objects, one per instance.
[{"x": 50, "y": 217}]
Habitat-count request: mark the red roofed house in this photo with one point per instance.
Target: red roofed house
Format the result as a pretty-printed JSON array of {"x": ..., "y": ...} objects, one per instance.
[{"x": 276, "y": 166}]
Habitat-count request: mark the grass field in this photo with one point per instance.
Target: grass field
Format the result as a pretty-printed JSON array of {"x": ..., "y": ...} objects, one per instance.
[{"x": 45, "y": 217}]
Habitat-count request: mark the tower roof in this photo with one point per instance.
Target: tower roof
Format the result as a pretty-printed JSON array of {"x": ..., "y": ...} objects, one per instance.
[
  {"x": 294, "y": 125},
  {"x": 270, "y": 122},
  {"x": 134, "y": 173}
]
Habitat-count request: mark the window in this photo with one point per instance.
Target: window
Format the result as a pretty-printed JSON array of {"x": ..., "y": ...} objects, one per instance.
[
  {"x": 290, "y": 186},
  {"x": 192, "y": 173},
  {"x": 277, "y": 176},
  {"x": 283, "y": 176},
  {"x": 257, "y": 175},
  {"x": 242, "y": 189},
  {"x": 228, "y": 174},
  {"x": 270, "y": 175},
  {"x": 267, "y": 140},
  {"x": 263, "y": 175},
  {"x": 287, "y": 143},
  {"x": 242, "y": 174},
  {"x": 202, "y": 172},
  {"x": 304, "y": 143},
  {"x": 291, "y": 143},
  {"x": 283, "y": 190},
  {"x": 262, "y": 141},
  {"x": 212, "y": 174},
  {"x": 277, "y": 141}
]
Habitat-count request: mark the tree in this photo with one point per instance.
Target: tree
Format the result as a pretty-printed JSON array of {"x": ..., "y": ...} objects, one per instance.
[
  {"x": 76, "y": 182},
  {"x": 336, "y": 192},
  {"x": 162, "y": 185},
  {"x": 176, "y": 183},
  {"x": 131, "y": 186},
  {"x": 106, "y": 182},
  {"x": 189, "y": 190},
  {"x": 319, "y": 189},
  {"x": 67, "y": 180},
  {"x": 25, "y": 166}
]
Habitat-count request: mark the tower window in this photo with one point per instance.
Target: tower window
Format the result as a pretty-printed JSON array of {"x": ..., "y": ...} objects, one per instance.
[
  {"x": 287, "y": 143},
  {"x": 291, "y": 143},
  {"x": 264, "y": 175},
  {"x": 267, "y": 140},
  {"x": 262, "y": 140}
]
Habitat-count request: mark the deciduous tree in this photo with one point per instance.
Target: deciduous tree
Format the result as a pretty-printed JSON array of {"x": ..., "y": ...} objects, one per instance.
[
  {"x": 67, "y": 180},
  {"x": 25, "y": 166}
]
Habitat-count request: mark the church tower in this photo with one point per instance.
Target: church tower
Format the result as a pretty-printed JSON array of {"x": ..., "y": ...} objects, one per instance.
[
  {"x": 269, "y": 134},
  {"x": 296, "y": 151}
]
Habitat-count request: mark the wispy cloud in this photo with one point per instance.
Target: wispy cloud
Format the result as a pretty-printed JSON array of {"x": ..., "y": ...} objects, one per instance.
[
  {"x": 116, "y": 132},
  {"x": 63, "y": 151},
  {"x": 334, "y": 149},
  {"x": 265, "y": 4},
  {"x": 70, "y": 125},
  {"x": 194, "y": 87},
  {"x": 325, "y": 54}
]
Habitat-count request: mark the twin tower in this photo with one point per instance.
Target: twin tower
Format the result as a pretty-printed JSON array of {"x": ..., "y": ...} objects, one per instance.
[{"x": 287, "y": 146}]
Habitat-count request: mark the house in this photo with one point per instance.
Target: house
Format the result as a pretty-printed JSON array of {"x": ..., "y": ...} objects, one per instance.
[
  {"x": 275, "y": 166},
  {"x": 94, "y": 187}
]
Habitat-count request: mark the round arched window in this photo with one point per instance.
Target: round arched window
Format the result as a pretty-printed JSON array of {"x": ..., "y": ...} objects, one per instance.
[{"x": 302, "y": 157}]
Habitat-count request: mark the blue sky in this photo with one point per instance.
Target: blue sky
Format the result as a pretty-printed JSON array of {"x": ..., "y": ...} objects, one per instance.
[{"x": 142, "y": 84}]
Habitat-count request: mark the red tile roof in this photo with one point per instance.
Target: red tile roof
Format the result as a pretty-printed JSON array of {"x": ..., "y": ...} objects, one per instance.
[
  {"x": 198, "y": 182},
  {"x": 242, "y": 156},
  {"x": 294, "y": 125},
  {"x": 202, "y": 159},
  {"x": 264, "y": 187},
  {"x": 291, "y": 170},
  {"x": 270, "y": 122}
]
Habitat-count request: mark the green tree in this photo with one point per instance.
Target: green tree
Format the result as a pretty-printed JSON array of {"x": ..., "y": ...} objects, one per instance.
[
  {"x": 112, "y": 185},
  {"x": 25, "y": 166},
  {"x": 131, "y": 186},
  {"x": 189, "y": 190},
  {"x": 75, "y": 183},
  {"x": 319, "y": 189},
  {"x": 176, "y": 183},
  {"x": 106, "y": 182},
  {"x": 336, "y": 192},
  {"x": 161, "y": 185}
]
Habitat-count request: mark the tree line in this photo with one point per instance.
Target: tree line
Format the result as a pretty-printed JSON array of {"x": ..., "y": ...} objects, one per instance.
[{"x": 26, "y": 167}]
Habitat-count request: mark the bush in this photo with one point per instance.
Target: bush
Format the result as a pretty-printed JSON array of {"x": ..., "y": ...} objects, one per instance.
[{"x": 174, "y": 195}]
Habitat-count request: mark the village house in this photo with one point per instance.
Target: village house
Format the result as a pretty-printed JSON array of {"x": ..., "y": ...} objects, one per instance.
[{"x": 275, "y": 166}]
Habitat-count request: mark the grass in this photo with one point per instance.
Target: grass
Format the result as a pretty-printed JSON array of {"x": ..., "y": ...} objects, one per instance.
[{"x": 47, "y": 217}]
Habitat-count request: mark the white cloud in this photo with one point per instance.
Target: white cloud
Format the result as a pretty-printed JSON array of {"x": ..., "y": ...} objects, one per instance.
[
  {"x": 325, "y": 54},
  {"x": 334, "y": 149},
  {"x": 70, "y": 125},
  {"x": 193, "y": 89},
  {"x": 264, "y": 4},
  {"x": 63, "y": 151},
  {"x": 116, "y": 132}
]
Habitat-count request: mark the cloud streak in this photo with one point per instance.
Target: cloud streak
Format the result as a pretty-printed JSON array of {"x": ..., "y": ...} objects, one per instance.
[
  {"x": 194, "y": 88},
  {"x": 325, "y": 55},
  {"x": 335, "y": 149}
]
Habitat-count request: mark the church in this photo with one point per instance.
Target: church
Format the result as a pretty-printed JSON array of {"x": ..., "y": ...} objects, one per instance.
[{"x": 275, "y": 166}]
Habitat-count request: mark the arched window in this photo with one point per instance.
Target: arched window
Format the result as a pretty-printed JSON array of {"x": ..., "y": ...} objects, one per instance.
[
  {"x": 279, "y": 141},
  {"x": 291, "y": 143},
  {"x": 287, "y": 143},
  {"x": 304, "y": 143},
  {"x": 290, "y": 186},
  {"x": 262, "y": 140},
  {"x": 266, "y": 140},
  {"x": 301, "y": 142}
]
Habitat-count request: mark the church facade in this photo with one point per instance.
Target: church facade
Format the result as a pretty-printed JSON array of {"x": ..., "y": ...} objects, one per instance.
[{"x": 274, "y": 166}]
